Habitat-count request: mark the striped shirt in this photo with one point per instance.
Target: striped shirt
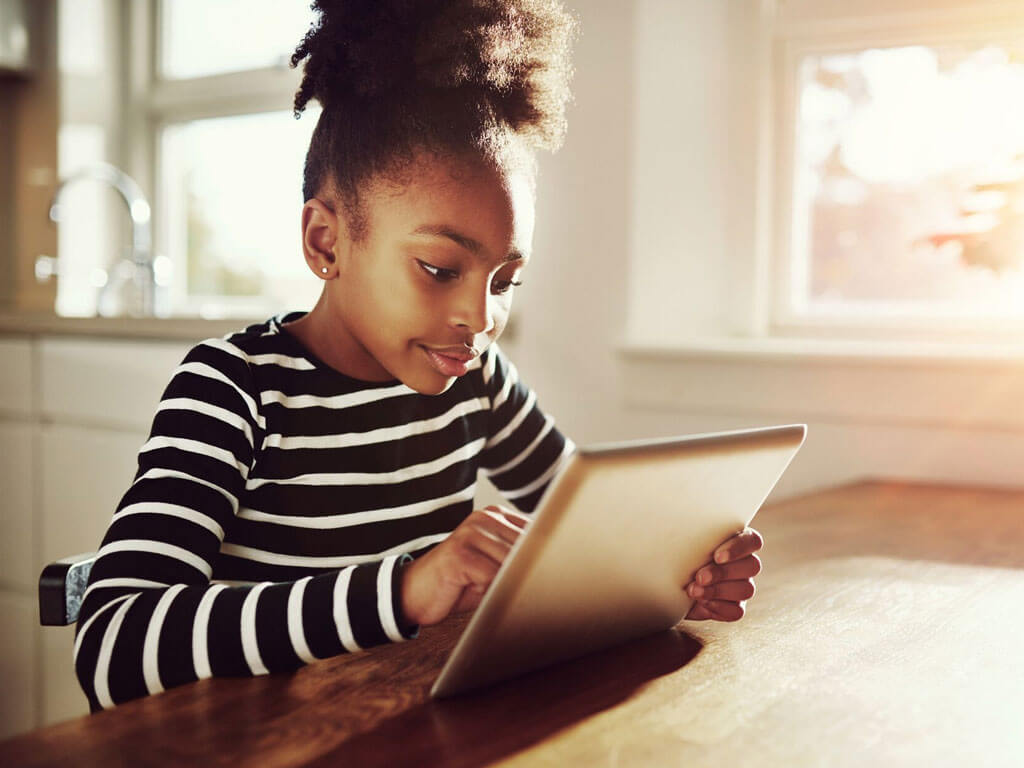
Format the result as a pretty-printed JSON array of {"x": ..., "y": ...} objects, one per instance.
[{"x": 276, "y": 500}]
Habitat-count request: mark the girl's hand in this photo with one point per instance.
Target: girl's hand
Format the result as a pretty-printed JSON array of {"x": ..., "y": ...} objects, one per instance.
[
  {"x": 722, "y": 587},
  {"x": 453, "y": 576}
]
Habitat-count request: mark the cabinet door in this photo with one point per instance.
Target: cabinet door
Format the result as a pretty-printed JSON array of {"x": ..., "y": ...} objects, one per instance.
[
  {"x": 17, "y": 542},
  {"x": 61, "y": 695},
  {"x": 18, "y": 608},
  {"x": 18, "y": 617},
  {"x": 16, "y": 376},
  {"x": 99, "y": 398},
  {"x": 108, "y": 383},
  {"x": 85, "y": 472}
]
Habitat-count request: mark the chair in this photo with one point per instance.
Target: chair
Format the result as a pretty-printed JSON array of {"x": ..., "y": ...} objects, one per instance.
[{"x": 61, "y": 588}]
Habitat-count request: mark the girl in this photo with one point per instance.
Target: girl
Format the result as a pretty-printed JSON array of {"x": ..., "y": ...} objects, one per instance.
[{"x": 320, "y": 467}]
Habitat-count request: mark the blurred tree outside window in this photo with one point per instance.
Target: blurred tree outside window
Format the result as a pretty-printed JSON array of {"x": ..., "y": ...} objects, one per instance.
[
  {"x": 909, "y": 182},
  {"x": 231, "y": 193}
]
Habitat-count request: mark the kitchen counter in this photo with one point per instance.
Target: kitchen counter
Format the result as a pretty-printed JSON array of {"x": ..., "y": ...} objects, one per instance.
[{"x": 170, "y": 328}]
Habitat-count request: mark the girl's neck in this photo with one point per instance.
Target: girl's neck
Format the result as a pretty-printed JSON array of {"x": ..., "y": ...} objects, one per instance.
[{"x": 318, "y": 333}]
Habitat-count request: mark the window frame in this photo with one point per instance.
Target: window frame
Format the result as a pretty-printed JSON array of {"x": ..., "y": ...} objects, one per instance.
[{"x": 794, "y": 33}]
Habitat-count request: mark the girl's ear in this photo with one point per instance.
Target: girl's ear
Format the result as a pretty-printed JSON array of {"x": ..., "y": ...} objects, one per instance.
[{"x": 322, "y": 228}]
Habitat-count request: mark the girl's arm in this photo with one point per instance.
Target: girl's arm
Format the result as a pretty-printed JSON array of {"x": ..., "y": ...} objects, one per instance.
[
  {"x": 524, "y": 450},
  {"x": 150, "y": 618}
]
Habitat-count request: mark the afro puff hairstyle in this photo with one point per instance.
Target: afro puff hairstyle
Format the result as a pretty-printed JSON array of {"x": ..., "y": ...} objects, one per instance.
[{"x": 447, "y": 76}]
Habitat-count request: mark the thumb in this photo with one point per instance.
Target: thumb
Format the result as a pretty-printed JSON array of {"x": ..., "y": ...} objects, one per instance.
[{"x": 469, "y": 599}]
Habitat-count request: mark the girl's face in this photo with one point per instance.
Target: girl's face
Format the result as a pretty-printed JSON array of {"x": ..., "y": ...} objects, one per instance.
[{"x": 431, "y": 283}]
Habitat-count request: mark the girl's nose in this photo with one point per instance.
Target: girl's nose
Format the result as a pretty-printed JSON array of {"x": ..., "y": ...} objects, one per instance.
[{"x": 474, "y": 311}]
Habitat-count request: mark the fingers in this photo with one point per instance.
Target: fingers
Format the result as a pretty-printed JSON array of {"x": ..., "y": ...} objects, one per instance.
[
  {"x": 433, "y": 584},
  {"x": 720, "y": 588},
  {"x": 491, "y": 532},
  {"x": 476, "y": 560},
  {"x": 455, "y": 574},
  {"x": 507, "y": 519},
  {"x": 469, "y": 599},
  {"x": 744, "y": 543},
  {"x": 521, "y": 519},
  {"x": 475, "y": 537},
  {"x": 716, "y": 610},
  {"x": 498, "y": 523},
  {"x": 733, "y": 591},
  {"x": 745, "y": 568}
]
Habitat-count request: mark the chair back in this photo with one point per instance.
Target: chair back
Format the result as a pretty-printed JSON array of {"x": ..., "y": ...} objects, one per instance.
[{"x": 61, "y": 589}]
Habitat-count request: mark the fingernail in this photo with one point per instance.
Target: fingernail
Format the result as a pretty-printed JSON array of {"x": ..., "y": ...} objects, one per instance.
[
  {"x": 704, "y": 577},
  {"x": 721, "y": 556},
  {"x": 696, "y": 591}
]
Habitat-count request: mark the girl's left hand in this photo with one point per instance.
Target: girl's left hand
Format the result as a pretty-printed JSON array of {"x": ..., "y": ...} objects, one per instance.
[{"x": 721, "y": 587}]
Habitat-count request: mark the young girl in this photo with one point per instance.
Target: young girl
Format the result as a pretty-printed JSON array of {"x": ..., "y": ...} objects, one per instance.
[{"x": 320, "y": 467}]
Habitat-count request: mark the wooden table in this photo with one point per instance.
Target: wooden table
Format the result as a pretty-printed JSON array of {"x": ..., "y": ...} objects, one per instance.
[{"x": 888, "y": 629}]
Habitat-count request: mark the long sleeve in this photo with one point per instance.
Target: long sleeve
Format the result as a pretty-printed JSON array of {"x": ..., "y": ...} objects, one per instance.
[
  {"x": 151, "y": 618},
  {"x": 524, "y": 450}
]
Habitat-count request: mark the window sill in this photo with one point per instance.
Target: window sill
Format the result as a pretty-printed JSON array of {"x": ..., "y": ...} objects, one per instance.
[
  {"x": 830, "y": 351},
  {"x": 977, "y": 387}
]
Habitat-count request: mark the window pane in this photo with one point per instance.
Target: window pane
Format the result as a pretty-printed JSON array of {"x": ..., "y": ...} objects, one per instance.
[
  {"x": 232, "y": 201},
  {"x": 909, "y": 186},
  {"x": 208, "y": 37}
]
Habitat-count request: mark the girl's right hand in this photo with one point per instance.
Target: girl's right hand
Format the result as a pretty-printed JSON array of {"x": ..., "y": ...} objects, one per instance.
[{"x": 453, "y": 576}]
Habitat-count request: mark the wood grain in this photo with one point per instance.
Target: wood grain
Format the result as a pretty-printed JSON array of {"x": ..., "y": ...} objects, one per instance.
[{"x": 886, "y": 629}]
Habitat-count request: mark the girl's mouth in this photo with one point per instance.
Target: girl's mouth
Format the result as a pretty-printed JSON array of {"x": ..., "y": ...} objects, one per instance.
[{"x": 449, "y": 363}]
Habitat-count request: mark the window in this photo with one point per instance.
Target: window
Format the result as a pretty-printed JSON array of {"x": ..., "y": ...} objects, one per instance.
[
  {"x": 229, "y": 155},
  {"x": 230, "y": 211},
  {"x": 202, "y": 120},
  {"x": 210, "y": 37},
  {"x": 901, "y": 146}
]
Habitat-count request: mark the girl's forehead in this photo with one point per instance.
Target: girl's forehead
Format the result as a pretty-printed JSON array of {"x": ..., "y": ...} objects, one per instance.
[{"x": 488, "y": 203}]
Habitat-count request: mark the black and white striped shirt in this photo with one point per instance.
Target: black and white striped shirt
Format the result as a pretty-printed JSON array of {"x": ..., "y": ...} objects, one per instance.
[{"x": 298, "y": 490}]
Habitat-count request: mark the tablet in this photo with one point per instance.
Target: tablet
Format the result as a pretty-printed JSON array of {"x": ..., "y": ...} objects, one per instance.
[{"x": 615, "y": 538}]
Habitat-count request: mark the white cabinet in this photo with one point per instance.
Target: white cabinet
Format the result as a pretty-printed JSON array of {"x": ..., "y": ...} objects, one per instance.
[
  {"x": 17, "y": 522},
  {"x": 15, "y": 376},
  {"x": 19, "y": 691},
  {"x": 73, "y": 414},
  {"x": 114, "y": 384},
  {"x": 85, "y": 472}
]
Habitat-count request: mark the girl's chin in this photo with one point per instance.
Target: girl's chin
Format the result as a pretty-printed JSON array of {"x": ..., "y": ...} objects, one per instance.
[{"x": 432, "y": 385}]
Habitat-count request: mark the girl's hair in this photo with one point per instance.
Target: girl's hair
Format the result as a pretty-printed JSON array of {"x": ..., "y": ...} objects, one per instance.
[{"x": 445, "y": 76}]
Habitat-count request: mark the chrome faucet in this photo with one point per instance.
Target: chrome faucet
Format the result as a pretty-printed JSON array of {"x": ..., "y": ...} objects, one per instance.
[{"x": 139, "y": 266}]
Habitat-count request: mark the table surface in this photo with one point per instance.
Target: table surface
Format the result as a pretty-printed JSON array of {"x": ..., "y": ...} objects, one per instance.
[{"x": 886, "y": 630}]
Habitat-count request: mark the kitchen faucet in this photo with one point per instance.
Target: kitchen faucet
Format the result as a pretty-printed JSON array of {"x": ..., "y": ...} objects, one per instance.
[{"x": 140, "y": 263}]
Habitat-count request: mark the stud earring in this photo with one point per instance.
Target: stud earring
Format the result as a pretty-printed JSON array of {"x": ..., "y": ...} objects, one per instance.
[{"x": 324, "y": 270}]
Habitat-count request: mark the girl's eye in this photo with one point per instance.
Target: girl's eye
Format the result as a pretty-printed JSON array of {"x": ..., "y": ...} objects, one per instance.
[
  {"x": 440, "y": 274},
  {"x": 504, "y": 286}
]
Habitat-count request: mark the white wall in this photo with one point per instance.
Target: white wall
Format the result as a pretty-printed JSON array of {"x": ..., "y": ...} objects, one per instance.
[
  {"x": 647, "y": 237},
  {"x": 573, "y": 302},
  {"x": 644, "y": 213}
]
